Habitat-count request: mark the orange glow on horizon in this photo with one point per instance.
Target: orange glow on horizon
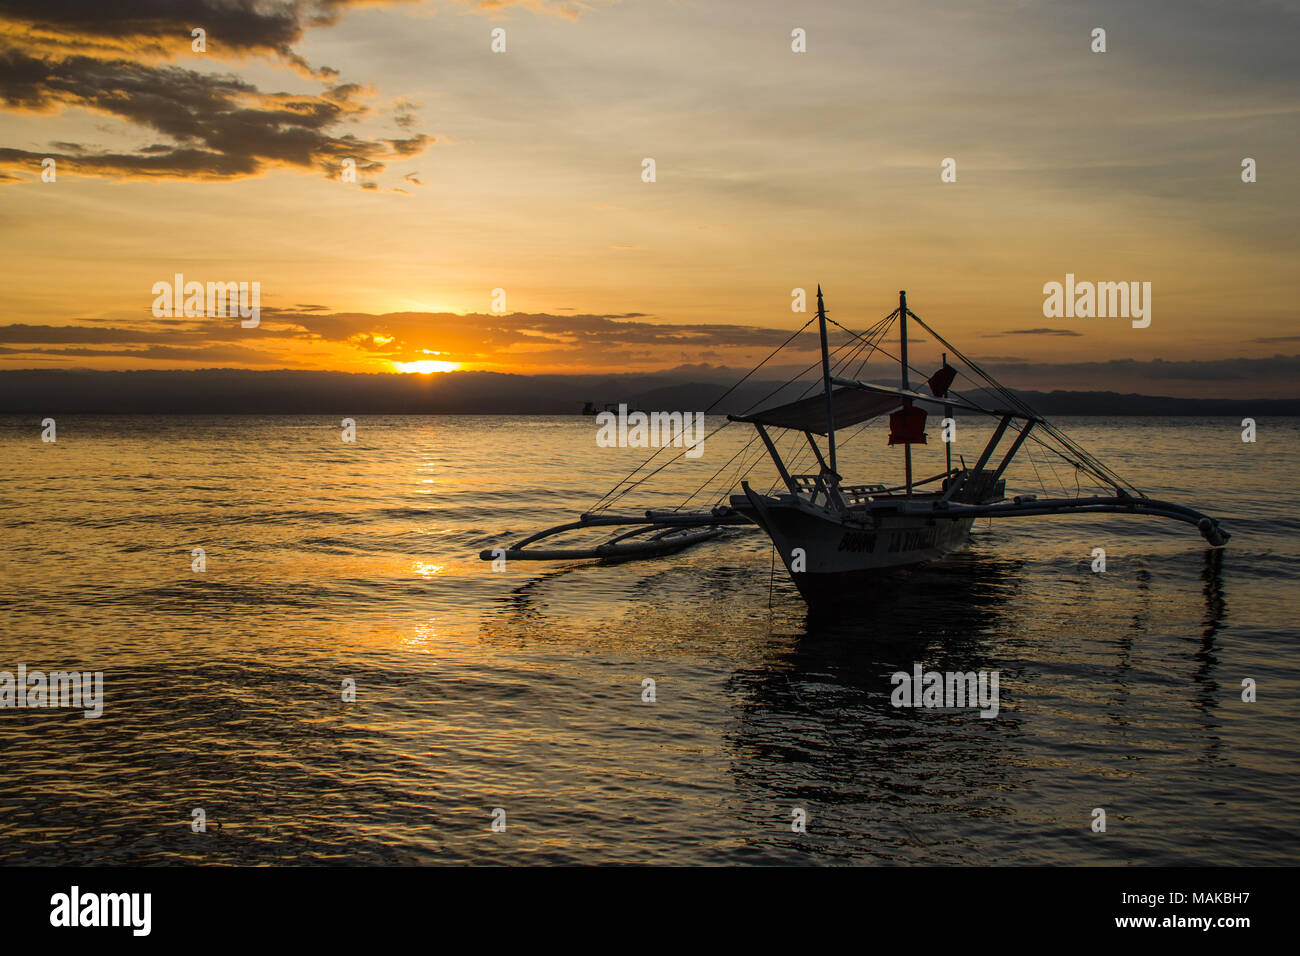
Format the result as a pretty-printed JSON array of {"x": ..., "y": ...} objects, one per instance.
[{"x": 425, "y": 366}]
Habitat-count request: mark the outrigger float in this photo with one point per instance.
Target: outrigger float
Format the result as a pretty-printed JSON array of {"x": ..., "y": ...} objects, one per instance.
[{"x": 833, "y": 536}]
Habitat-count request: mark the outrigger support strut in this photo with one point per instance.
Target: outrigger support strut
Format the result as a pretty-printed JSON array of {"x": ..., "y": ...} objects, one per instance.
[
  {"x": 670, "y": 531},
  {"x": 1015, "y": 447}
]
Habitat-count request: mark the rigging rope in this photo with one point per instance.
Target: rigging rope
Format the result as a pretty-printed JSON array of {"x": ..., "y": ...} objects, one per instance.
[
  {"x": 606, "y": 501},
  {"x": 868, "y": 342},
  {"x": 1089, "y": 463}
]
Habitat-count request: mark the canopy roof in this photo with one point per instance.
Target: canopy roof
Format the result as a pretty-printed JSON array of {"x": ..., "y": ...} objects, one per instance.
[
  {"x": 852, "y": 405},
  {"x": 947, "y": 400},
  {"x": 854, "y": 402}
]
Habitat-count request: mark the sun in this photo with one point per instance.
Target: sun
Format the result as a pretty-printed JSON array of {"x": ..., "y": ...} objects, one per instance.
[{"x": 425, "y": 366}]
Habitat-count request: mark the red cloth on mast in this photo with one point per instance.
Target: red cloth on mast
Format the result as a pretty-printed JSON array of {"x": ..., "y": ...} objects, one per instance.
[{"x": 907, "y": 426}]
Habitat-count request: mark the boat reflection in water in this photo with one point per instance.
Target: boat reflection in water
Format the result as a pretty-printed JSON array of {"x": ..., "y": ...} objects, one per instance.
[
  {"x": 803, "y": 720},
  {"x": 817, "y": 727}
]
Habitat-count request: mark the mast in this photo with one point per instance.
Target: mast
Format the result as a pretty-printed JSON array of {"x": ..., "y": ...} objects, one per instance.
[
  {"x": 902, "y": 326},
  {"x": 826, "y": 380},
  {"x": 947, "y": 413},
  {"x": 907, "y": 403}
]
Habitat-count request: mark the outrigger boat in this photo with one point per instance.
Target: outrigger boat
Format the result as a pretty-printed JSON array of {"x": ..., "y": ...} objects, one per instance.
[{"x": 833, "y": 536}]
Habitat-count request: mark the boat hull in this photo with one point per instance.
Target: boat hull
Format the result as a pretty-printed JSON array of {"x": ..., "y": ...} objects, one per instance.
[{"x": 833, "y": 558}]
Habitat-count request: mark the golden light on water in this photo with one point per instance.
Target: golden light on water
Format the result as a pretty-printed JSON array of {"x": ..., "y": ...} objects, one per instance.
[
  {"x": 425, "y": 366},
  {"x": 426, "y": 570}
]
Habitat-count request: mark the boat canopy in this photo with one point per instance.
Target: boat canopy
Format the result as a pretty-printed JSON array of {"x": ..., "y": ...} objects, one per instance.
[
  {"x": 933, "y": 399},
  {"x": 852, "y": 405},
  {"x": 854, "y": 402}
]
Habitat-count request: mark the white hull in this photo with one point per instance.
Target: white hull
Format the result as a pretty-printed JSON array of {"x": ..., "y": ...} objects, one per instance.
[{"x": 829, "y": 555}]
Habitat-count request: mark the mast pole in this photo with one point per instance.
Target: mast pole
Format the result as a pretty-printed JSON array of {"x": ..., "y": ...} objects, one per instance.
[
  {"x": 947, "y": 413},
  {"x": 902, "y": 326},
  {"x": 907, "y": 402},
  {"x": 826, "y": 380}
]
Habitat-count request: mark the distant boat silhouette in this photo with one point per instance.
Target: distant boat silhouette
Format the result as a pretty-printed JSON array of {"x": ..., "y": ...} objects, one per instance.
[{"x": 589, "y": 408}]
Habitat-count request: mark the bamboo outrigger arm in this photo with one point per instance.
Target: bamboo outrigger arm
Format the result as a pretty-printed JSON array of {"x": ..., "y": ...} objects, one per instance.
[
  {"x": 669, "y": 532},
  {"x": 1029, "y": 506}
]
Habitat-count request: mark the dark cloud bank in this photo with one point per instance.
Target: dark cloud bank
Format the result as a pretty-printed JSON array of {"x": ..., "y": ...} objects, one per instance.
[{"x": 111, "y": 59}]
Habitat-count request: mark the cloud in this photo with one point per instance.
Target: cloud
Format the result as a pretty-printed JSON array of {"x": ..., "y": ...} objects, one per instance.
[
  {"x": 214, "y": 126},
  {"x": 217, "y": 126},
  {"x": 20, "y": 334},
  {"x": 208, "y": 354},
  {"x": 1277, "y": 368},
  {"x": 991, "y": 335},
  {"x": 404, "y": 113},
  {"x": 529, "y": 338},
  {"x": 309, "y": 337},
  {"x": 516, "y": 340},
  {"x": 161, "y": 29},
  {"x": 523, "y": 340},
  {"x": 220, "y": 127},
  {"x": 560, "y": 8},
  {"x": 234, "y": 28}
]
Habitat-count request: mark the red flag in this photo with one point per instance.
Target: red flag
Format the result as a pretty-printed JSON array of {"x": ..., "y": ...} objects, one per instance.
[
  {"x": 942, "y": 380},
  {"x": 907, "y": 426}
]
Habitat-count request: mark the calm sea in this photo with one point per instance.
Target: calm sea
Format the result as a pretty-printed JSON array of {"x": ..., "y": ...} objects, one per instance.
[{"x": 521, "y": 689}]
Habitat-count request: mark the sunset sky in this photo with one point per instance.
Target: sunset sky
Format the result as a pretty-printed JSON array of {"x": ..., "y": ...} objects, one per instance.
[{"x": 522, "y": 171}]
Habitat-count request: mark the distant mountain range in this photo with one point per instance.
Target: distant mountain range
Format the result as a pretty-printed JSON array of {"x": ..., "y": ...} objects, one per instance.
[{"x": 230, "y": 391}]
